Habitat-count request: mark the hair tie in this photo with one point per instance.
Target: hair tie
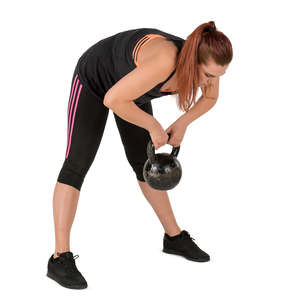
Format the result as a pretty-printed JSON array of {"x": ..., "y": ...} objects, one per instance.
[{"x": 210, "y": 29}]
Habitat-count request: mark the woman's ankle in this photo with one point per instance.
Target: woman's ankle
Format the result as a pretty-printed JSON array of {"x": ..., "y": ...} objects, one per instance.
[
  {"x": 173, "y": 232},
  {"x": 56, "y": 253}
]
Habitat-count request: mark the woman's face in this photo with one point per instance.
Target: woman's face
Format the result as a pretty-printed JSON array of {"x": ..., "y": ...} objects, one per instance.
[{"x": 209, "y": 71}]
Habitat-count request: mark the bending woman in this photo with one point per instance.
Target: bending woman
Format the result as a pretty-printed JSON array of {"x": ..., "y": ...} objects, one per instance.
[{"x": 123, "y": 73}]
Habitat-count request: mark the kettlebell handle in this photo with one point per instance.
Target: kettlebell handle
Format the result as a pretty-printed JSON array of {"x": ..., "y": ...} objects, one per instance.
[{"x": 151, "y": 150}]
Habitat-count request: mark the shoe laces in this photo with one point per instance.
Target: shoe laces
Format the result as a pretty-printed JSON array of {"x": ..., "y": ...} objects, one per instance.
[
  {"x": 69, "y": 263},
  {"x": 185, "y": 235}
]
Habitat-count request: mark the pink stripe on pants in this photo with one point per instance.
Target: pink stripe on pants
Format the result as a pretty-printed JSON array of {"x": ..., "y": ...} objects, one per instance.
[{"x": 72, "y": 111}]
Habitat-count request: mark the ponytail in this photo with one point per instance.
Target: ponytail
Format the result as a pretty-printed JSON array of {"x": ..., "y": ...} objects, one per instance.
[{"x": 203, "y": 43}]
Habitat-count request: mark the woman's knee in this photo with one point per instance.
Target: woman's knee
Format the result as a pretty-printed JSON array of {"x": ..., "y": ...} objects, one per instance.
[
  {"x": 72, "y": 174},
  {"x": 138, "y": 170}
]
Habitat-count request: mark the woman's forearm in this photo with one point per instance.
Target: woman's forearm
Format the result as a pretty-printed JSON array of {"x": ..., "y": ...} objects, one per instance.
[
  {"x": 130, "y": 112},
  {"x": 202, "y": 106}
]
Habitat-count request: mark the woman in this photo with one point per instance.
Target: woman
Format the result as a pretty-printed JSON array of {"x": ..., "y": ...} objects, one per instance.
[{"x": 124, "y": 72}]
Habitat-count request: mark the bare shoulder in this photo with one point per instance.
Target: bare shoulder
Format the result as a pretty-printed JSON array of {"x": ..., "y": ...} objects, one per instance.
[
  {"x": 157, "y": 59},
  {"x": 155, "y": 68},
  {"x": 157, "y": 47}
]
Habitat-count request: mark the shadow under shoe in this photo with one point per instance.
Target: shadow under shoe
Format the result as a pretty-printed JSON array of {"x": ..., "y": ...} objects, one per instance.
[
  {"x": 183, "y": 244},
  {"x": 64, "y": 271}
]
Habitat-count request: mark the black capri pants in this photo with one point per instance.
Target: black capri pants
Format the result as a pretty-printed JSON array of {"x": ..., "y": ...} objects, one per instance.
[{"x": 87, "y": 116}]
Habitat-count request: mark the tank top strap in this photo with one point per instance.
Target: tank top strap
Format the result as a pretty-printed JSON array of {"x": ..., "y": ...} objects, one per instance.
[
  {"x": 146, "y": 35},
  {"x": 162, "y": 83},
  {"x": 142, "y": 42}
]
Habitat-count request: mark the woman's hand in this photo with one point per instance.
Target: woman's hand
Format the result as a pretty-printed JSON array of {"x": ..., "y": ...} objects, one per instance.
[
  {"x": 158, "y": 136},
  {"x": 177, "y": 131}
]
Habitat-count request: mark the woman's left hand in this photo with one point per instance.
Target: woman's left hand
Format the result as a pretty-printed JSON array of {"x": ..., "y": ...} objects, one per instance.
[{"x": 177, "y": 131}]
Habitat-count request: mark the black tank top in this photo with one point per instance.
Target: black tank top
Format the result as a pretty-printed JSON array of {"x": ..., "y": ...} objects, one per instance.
[{"x": 107, "y": 61}]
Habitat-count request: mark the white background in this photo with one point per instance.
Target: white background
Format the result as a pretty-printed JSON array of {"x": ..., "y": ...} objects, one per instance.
[{"x": 239, "y": 193}]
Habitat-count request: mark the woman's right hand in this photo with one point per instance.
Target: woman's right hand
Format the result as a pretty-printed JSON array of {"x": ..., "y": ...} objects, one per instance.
[{"x": 159, "y": 137}]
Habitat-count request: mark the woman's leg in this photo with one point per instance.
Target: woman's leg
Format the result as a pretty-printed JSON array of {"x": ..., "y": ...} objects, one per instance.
[
  {"x": 87, "y": 117},
  {"x": 65, "y": 199},
  {"x": 135, "y": 140},
  {"x": 159, "y": 200}
]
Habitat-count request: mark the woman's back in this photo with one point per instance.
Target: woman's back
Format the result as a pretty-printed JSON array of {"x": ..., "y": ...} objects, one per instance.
[{"x": 107, "y": 61}]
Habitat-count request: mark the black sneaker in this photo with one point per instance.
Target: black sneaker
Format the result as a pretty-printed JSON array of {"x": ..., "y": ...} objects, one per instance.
[
  {"x": 182, "y": 244},
  {"x": 64, "y": 271}
]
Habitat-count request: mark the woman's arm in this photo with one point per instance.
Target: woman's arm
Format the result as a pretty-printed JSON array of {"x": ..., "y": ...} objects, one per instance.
[
  {"x": 120, "y": 96},
  {"x": 202, "y": 106},
  {"x": 209, "y": 97}
]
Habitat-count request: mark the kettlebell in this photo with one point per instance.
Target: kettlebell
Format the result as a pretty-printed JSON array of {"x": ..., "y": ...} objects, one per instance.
[{"x": 162, "y": 171}]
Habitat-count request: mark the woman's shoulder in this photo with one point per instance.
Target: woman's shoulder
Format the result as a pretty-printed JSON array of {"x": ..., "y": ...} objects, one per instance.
[{"x": 155, "y": 47}]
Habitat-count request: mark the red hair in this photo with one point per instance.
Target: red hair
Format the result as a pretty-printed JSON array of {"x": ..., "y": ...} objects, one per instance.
[{"x": 203, "y": 43}]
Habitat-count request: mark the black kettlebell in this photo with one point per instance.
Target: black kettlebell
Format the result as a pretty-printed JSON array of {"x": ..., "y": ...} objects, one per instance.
[{"x": 162, "y": 171}]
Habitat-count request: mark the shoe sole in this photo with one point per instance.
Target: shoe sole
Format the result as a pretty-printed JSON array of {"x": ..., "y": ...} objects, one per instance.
[
  {"x": 76, "y": 287},
  {"x": 171, "y": 251}
]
